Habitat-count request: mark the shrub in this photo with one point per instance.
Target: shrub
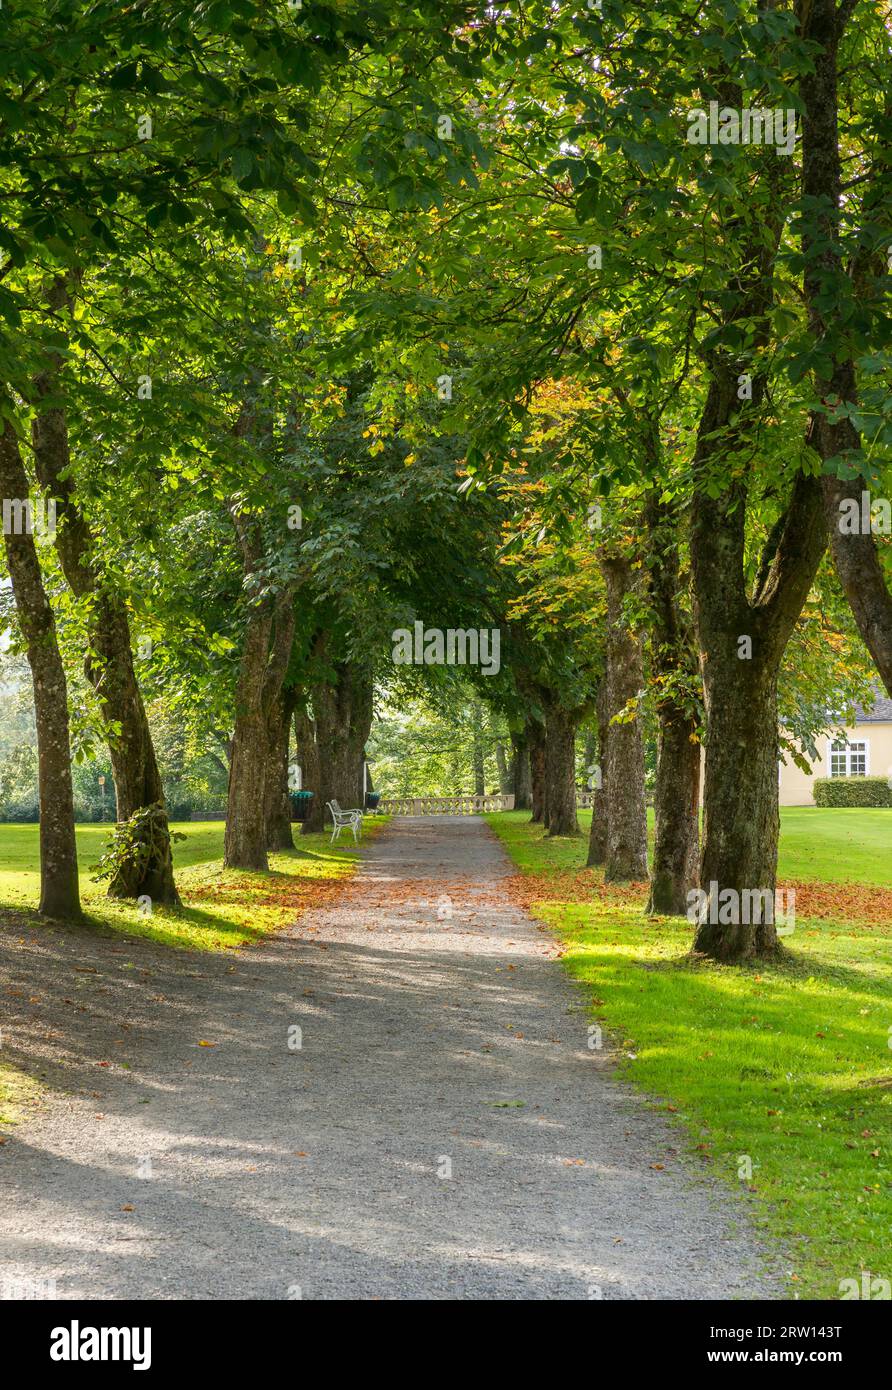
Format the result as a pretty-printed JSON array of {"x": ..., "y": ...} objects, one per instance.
[
  {"x": 137, "y": 858},
  {"x": 206, "y": 803},
  {"x": 852, "y": 791},
  {"x": 22, "y": 812}
]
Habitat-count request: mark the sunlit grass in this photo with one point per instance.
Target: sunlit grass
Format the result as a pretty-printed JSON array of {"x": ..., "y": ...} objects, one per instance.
[
  {"x": 222, "y": 908},
  {"x": 16, "y": 1092},
  {"x": 782, "y": 1071},
  {"x": 827, "y": 845}
]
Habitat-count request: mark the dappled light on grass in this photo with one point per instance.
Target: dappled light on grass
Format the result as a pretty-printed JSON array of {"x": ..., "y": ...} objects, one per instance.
[
  {"x": 779, "y": 1071},
  {"x": 222, "y": 908},
  {"x": 18, "y": 1092}
]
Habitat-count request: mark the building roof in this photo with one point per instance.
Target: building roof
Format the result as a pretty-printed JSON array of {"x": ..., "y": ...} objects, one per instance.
[{"x": 880, "y": 712}]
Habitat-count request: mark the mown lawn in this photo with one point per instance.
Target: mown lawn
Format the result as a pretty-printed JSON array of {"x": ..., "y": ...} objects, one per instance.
[
  {"x": 221, "y": 907},
  {"x": 781, "y": 1073},
  {"x": 823, "y": 845},
  {"x": 836, "y": 846}
]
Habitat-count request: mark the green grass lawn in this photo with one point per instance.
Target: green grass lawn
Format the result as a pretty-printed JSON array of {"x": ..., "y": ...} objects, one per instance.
[
  {"x": 833, "y": 845},
  {"x": 825, "y": 845},
  {"x": 780, "y": 1074},
  {"x": 221, "y": 907}
]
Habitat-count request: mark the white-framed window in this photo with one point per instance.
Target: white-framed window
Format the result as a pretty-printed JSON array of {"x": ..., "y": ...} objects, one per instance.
[{"x": 849, "y": 759}]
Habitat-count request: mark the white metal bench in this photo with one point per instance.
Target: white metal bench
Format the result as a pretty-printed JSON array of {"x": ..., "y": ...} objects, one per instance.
[{"x": 343, "y": 820}]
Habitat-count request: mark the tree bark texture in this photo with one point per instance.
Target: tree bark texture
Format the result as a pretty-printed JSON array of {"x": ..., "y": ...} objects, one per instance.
[
  {"x": 269, "y": 635},
  {"x": 522, "y": 782},
  {"x": 343, "y": 711},
  {"x": 597, "y": 840},
  {"x": 308, "y": 759},
  {"x": 675, "y": 673},
  {"x": 278, "y": 805},
  {"x": 560, "y": 770},
  {"x": 59, "y": 894},
  {"x": 626, "y": 849},
  {"x": 536, "y": 744},
  {"x": 109, "y": 663}
]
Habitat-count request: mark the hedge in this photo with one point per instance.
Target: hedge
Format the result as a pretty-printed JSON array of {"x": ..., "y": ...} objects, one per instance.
[
  {"x": 852, "y": 791},
  {"x": 20, "y": 812}
]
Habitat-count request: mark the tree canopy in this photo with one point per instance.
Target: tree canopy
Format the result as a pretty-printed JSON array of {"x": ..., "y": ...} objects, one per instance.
[{"x": 563, "y": 322}]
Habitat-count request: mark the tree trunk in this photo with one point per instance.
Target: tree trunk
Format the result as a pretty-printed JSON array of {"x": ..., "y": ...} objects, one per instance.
[
  {"x": 855, "y": 553},
  {"x": 245, "y": 839},
  {"x": 267, "y": 648},
  {"x": 522, "y": 782},
  {"x": 626, "y": 806},
  {"x": 674, "y": 667},
  {"x": 740, "y": 793},
  {"x": 477, "y": 755},
  {"x": 278, "y": 806},
  {"x": 743, "y": 629},
  {"x": 138, "y": 786},
  {"x": 59, "y": 897},
  {"x": 597, "y": 840},
  {"x": 676, "y": 858},
  {"x": 311, "y": 772},
  {"x": 560, "y": 770},
  {"x": 741, "y": 818},
  {"x": 505, "y": 779},
  {"x": 856, "y": 556},
  {"x": 109, "y": 663},
  {"x": 343, "y": 713},
  {"x": 536, "y": 743}
]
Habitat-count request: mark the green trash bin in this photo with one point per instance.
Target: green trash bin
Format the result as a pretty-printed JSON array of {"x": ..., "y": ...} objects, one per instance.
[{"x": 300, "y": 805}]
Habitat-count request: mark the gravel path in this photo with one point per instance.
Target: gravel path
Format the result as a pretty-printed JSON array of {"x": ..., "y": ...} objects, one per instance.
[{"x": 438, "y": 1034}]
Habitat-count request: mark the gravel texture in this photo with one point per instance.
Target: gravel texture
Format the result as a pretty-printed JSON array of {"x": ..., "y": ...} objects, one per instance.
[{"x": 437, "y": 1030}]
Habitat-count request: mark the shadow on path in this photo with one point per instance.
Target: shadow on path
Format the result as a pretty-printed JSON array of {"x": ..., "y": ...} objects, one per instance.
[{"x": 441, "y": 1131}]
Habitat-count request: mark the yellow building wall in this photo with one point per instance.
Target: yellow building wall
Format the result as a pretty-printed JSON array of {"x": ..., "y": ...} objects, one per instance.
[{"x": 796, "y": 785}]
